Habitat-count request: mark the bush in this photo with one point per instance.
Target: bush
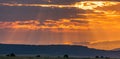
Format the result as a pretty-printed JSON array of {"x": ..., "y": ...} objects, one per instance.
[
  {"x": 66, "y": 56},
  {"x": 96, "y": 56},
  {"x": 7, "y": 55},
  {"x": 102, "y": 57},
  {"x": 38, "y": 56},
  {"x": 11, "y": 55}
]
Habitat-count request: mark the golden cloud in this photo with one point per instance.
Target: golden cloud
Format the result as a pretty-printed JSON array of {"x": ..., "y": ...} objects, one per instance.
[
  {"x": 63, "y": 24},
  {"x": 103, "y": 23}
]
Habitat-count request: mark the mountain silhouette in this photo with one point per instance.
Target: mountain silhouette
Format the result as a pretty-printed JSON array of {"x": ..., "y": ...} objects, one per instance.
[
  {"x": 116, "y": 49},
  {"x": 55, "y": 50}
]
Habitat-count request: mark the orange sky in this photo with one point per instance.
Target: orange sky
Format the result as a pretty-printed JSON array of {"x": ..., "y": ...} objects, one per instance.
[{"x": 98, "y": 29}]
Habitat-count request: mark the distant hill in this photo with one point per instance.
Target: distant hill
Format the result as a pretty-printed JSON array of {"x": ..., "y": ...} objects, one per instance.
[
  {"x": 117, "y": 49},
  {"x": 54, "y": 50}
]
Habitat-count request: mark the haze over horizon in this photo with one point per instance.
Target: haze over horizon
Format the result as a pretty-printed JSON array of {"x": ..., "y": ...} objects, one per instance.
[{"x": 73, "y": 22}]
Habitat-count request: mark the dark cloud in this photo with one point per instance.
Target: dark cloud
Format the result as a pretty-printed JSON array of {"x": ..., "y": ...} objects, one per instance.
[
  {"x": 18, "y": 13},
  {"x": 8, "y": 13},
  {"x": 60, "y": 13},
  {"x": 27, "y": 13},
  {"x": 46, "y": 1},
  {"x": 40, "y": 1}
]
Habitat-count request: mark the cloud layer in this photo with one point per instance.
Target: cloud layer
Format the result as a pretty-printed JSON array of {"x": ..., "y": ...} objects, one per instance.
[{"x": 88, "y": 23}]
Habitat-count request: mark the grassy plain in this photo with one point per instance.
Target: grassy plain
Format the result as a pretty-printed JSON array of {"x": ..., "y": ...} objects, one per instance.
[{"x": 4, "y": 57}]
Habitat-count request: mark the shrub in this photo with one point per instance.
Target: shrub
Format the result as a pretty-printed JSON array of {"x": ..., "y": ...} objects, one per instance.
[
  {"x": 96, "y": 56},
  {"x": 66, "y": 56},
  {"x": 12, "y": 55},
  {"x": 7, "y": 55},
  {"x": 102, "y": 57},
  {"x": 38, "y": 56}
]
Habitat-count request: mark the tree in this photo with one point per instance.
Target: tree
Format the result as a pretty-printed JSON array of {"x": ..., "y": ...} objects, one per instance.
[
  {"x": 38, "y": 56},
  {"x": 96, "y": 56},
  {"x": 66, "y": 56},
  {"x": 12, "y": 55},
  {"x": 102, "y": 57},
  {"x": 7, "y": 55}
]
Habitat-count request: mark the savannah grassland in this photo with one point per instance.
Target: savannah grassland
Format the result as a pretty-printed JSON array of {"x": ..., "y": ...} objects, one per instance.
[{"x": 4, "y": 57}]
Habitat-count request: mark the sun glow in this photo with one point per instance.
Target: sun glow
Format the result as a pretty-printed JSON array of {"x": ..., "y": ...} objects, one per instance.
[
  {"x": 100, "y": 24},
  {"x": 90, "y": 5},
  {"x": 67, "y": 43}
]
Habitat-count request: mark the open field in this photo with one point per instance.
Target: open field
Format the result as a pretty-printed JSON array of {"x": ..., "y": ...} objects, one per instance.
[{"x": 47, "y": 58}]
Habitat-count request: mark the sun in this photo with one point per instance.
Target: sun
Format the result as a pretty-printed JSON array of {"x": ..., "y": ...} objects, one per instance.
[
  {"x": 88, "y": 5},
  {"x": 67, "y": 43}
]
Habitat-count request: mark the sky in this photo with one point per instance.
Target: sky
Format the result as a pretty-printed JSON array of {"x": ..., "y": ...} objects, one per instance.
[{"x": 92, "y": 23}]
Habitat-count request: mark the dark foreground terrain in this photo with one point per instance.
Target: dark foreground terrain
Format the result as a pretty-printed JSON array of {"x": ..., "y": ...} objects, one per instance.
[
  {"x": 49, "y": 58},
  {"x": 8, "y": 50}
]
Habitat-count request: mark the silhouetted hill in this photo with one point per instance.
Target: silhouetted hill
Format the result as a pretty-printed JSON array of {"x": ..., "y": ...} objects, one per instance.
[
  {"x": 117, "y": 49},
  {"x": 53, "y": 50}
]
